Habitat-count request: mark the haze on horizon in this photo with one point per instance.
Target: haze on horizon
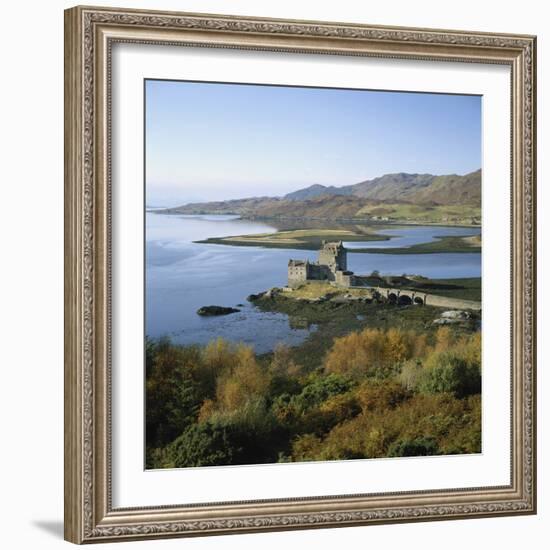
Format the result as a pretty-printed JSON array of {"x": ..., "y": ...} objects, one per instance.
[{"x": 210, "y": 142}]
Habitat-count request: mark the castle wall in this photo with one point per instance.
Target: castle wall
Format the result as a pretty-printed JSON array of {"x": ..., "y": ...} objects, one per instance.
[
  {"x": 319, "y": 273},
  {"x": 297, "y": 274},
  {"x": 344, "y": 278}
]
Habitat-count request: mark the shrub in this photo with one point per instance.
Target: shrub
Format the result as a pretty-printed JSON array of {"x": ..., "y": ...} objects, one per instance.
[
  {"x": 282, "y": 363},
  {"x": 419, "y": 446},
  {"x": 320, "y": 389},
  {"x": 260, "y": 433},
  {"x": 172, "y": 399},
  {"x": 306, "y": 447},
  {"x": 450, "y": 372},
  {"x": 217, "y": 357},
  {"x": 244, "y": 380},
  {"x": 373, "y": 353},
  {"x": 321, "y": 404},
  {"x": 249, "y": 435},
  {"x": 444, "y": 339},
  {"x": 378, "y": 393},
  {"x": 451, "y": 425},
  {"x": 374, "y": 395},
  {"x": 284, "y": 372},
  {"x": 208, "y": 444},
  {"x": 410, "y": 374}
]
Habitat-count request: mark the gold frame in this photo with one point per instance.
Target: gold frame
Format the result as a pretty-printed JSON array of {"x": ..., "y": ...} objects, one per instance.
[{"x": 89, "y": 35}]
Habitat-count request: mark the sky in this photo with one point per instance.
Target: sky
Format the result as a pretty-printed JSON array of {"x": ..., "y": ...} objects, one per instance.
[{"x": 209, "y": 141}]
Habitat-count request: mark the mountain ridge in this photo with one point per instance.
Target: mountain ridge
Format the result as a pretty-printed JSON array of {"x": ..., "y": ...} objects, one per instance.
[
  {"x": 391, "y": 196},
  {"x": 395, "y": 186}
]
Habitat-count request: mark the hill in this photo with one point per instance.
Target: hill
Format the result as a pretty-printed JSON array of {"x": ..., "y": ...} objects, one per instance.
[
  {"x": 401, "y": 187},
  {"x": 417, "y": 198}
]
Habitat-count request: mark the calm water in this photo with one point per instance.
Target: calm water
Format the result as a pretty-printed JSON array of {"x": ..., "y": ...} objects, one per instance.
[
  {"x": 406, "y": 237},
  {"x": 182, "y": 276}
]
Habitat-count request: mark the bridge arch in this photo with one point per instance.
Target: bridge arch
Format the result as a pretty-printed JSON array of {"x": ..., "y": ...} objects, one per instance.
[{"x": 404, "y": 300}]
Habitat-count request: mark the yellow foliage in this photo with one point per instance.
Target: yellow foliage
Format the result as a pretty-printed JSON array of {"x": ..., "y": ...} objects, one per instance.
[
  {"x": 282, "y": 363},
  {"x": 410, "y": 374},
  {"x": 398, "y": 346},
  {"x": 246, "y": 379},
  {"x": 206, "y": 410},
  {"x": 472, "y": 349},
  {"x": 356, "y": 353},
  {"x": 362, "y": 353},
  {"x": 454, "y": 424},
  {"x": 420, "y": 345},
  {"x": 384, "y": 395},
  {"x": 306, "y": 447},
  {"x": 218, "y": 354},
  {"x": 444, "y": 339}
]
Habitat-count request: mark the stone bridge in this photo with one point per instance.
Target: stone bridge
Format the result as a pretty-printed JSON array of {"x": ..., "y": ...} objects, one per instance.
[{"x": 404, "y": 296}]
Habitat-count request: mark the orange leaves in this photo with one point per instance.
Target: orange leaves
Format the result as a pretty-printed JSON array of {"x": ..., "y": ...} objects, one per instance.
[
  {"x": 372, "y": 352},
  {"x": 242, "y": 380}
]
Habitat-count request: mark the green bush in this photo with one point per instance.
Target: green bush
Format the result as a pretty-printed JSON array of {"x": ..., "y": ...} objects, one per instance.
[
  {"x": 249, "y": 435},
  {"x": 320, "y": 389},
  {"x": 419, "y": 446},
  {"x": 207, "y": 444},
  {"x": 172, "y": 399},
  {"x": 314, "y": 408},
  {"x": 450, "y": 372}
]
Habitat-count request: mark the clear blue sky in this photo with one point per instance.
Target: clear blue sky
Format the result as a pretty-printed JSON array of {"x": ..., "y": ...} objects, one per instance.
[{"x": 219, "y": 141}]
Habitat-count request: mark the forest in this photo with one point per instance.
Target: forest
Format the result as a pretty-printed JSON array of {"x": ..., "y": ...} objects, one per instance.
[{"x": 375, "y": 393}]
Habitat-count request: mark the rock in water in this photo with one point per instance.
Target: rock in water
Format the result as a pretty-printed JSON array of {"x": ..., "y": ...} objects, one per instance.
[{"x": 216, "y": 310}]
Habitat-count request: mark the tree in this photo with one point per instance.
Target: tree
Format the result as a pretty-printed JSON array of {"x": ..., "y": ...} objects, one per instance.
[
  {"x": 450, "y": 372},
  {"x": 372, "y": 352},
  {"x": 208, "y": 444},
  {"x": 419, "y": 446},
  {"x": 172, "y": 400},
  {"x": 246, "y": 379}
]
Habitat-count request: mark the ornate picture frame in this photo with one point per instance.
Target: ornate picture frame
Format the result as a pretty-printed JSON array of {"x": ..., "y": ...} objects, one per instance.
[{"x": 90, "y": 34}]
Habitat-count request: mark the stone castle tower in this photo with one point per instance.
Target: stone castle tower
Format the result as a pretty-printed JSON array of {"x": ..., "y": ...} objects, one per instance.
[
  {"x": 331, "y": 266},
  {"x": 334, "y": 256}
]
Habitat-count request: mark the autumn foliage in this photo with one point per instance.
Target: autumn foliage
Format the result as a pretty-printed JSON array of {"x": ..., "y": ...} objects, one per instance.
[{"x": 376, "y": 394}]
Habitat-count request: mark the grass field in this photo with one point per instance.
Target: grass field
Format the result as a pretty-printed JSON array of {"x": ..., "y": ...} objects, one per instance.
[
  {"x": 307, "y": 239},
  {"x": 441, "y": 245},
  {"x": 313, "y": 291},
  {"x": 455, "y": 214},
  {"x": 463, "y": 289}
]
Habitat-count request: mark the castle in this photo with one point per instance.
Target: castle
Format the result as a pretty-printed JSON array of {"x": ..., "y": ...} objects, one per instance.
[{"x": 331, "y": 267}]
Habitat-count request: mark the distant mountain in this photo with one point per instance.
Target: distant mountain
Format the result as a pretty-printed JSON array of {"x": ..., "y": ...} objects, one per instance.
[
  {"x": 401, "y": 187},
  {"x": 235, "y": 206},
  {"x": 392, "y": 186},
  {"x": 317, "y": 190},
  {"x": 453, "y": 189},
  {"x": 392, "y": 196}
]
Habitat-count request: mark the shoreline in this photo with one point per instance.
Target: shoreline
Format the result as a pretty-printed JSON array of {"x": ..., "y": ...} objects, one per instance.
[
  {"x": 443, "y": 245},
  {"x": 365, "y": 221},
  {"x": 336, "y": 318}
]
